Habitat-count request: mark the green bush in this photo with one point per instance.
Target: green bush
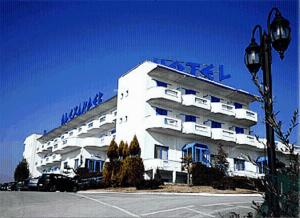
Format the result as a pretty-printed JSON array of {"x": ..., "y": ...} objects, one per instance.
[
  {"x": 132, "y": 171},
  {"x": 107, "y": 173},
  {"x": 203, "y": 175},
  {"x": 112, "y": 151},
  {"x": 21, "y": 171},
  {"x": 134, "y": 148},
  {"x": 121, "y": 149}
]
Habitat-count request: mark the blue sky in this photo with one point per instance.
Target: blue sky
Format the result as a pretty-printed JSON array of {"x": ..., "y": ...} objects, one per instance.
[{"x": 55, "y": 55}]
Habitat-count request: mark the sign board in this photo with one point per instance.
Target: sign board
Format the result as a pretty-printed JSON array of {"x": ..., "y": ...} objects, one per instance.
[
  {"x": 209, "y": 71},
  {"x": 82, "y": 108}
]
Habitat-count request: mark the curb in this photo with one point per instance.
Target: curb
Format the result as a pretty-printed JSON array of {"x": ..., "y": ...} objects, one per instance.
[{"x": 172, "y": 193}]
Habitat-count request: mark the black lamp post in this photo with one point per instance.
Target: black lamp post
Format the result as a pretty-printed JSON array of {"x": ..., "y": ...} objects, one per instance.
[{"x": 260, "y": 56}]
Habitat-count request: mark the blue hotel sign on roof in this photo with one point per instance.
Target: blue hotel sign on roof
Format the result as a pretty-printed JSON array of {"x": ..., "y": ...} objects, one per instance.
[
  {"x": 81, "y": 109},
  {"x": 211, "y": 72}
]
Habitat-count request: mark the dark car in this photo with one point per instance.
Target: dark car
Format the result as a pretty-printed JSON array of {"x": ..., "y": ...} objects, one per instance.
[
  {"x": 56, "y": 182},
  {"x": 31, "y": 184}
]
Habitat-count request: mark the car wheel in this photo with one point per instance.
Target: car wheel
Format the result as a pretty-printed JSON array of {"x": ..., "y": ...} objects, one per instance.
[{"x": 52, "y": 188}]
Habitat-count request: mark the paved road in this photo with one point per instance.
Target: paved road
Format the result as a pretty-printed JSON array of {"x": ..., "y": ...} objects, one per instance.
[{"x": 41, "y": 204}]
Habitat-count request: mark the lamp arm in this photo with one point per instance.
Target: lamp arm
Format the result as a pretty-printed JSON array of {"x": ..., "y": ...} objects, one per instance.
[
  {"x": 260, "y": 33},
  {"x": 269, "y": 17}
]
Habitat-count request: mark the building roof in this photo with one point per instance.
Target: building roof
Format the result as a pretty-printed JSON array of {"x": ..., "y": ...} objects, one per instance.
[{"x": 80, "y": 120}]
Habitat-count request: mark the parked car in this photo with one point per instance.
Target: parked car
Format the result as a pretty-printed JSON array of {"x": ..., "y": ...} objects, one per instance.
[
  {"x": 56, "y": 182},
  {"x": 30, "y": 184}
]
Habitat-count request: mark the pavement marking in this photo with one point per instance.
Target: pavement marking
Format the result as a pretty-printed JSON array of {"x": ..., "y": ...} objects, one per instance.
[
  {"x": 167, "y": 210},
  {"x": 229, "y": 208},
  {"x": 171, "y": 193},
  {"x": 199, "y": 212},
  {"x": 108, "y": 205},
  {"x": 226, "y": 203}
]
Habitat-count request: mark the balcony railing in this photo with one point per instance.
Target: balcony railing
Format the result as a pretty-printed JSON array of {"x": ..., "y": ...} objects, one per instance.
[
  {"x": 193, "y": 100},
  {"x": 218, "y": 107},
  {"x": 244, "y": 139},
  {"x": 196, "y": 129},
  {"x": 165, "y": 122},
  {"x": 241, "y": 113},
  {"x": 223, "y": 134},
  {"x": 164, "y": 93}
]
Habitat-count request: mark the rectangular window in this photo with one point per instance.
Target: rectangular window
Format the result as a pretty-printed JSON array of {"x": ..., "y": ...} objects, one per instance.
[
  {"x": 239, "y": 130},
  {"x": 215, "y": 99},
  {"x": 190, "y": 92},
  {"x": 190, "y": 118},
  {"x": 160, "y": 111},
  {"x": 66, "y": 165},
  {"x": 238, "y": 105},
  {"x": 97, "y": 167},
  {"x": 215, "y": 124},
  {"x": 161, "y": 84},
  {"x": 91, "y": 165},
  {"x": 239, "y": 164},
  {"x": 76, "y": 164},
  {"x": 161, "y": 152}
]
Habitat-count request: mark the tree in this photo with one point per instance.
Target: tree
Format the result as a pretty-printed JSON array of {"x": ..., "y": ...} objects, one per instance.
[
  {"x": 125, "y": 150},
  {"x": 134, "y": 148},
  {"x": 187, "y": 164},
  {"x": 21, "y": 171},
  {"x": 121, "y": 149},
  {"x": 288, "y": 198},
  {"x": 112, "y": 151},
  {"x": 220, "y": 160}
]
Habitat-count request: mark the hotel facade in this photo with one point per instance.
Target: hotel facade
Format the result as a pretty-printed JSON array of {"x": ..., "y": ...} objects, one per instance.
[{"x": 172, "y": 113}]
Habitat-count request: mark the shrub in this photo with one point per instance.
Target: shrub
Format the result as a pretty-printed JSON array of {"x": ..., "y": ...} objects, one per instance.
[
  {"x": 148, "y": 184},
  {"x": 107, "y": 173},
  {"x": 125, "y": 150},
  {"x": 132, "y": 171},
  {"x": 112, "y": 151},
  {"x": 203, "y": 175},
  {"x": 134, "y": 148},
  {"x": 121, "y": 149}
]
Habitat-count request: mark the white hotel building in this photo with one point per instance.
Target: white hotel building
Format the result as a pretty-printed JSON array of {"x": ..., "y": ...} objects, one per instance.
[{"x": 170, "y": 112}]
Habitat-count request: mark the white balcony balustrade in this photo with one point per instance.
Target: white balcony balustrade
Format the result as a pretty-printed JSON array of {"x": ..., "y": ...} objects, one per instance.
[
  {"x": 193, "y": 100},
  {"x": 163, "y": 122},
  {"x": 56, "y": 158},
  {"x": 223, "y": 134},
  {"x": 250, "y": 117},
  {"x": 196, "y": 129},
  {"x": 221, "y": 108},
  {"x": 163, "y": 93},
  {"x": 244, "y": 139}
]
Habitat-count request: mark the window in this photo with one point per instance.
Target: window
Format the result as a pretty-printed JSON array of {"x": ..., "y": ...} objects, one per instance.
[
  {"x": 70, "y": 133},
  {"x": 190, "y": 92},
  {"x": 90, "y": 124},
  {"x": 126, "y": 93},
  {"x": 262, "y": 164},
  {"x": 161, "y": 84},
  {"x": 113, "y": 131},
  {"x": 94, "y": 165},
  {"x": 215, "y": 99},
  {"x": 66, "y": 165},
  {"x": 122, "y": 95},
  {"x": 215, "y": 124},
  {"x": 238, "y": 105},
  {"x": 239, "y": 130},
  {"x": 239, "y": 164},
  {"x": 126, "y": 118},
  {"x": 160, "y": 111},
  {"x": 190, "y": 118},
  {"x": 161, "y": 152},
  {"x": 76, "y": 164}
]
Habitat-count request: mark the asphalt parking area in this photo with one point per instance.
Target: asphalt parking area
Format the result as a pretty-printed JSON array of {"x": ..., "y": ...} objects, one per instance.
[{"x": 41, "y": 204}]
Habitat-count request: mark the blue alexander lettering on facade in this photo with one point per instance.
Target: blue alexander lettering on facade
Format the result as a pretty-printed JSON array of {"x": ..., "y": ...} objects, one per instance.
[
  {"x": 210, "y": 71},
  {"x": 78, "y": 110}
]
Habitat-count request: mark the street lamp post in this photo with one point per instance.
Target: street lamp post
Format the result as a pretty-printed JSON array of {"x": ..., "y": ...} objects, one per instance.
[{"x": 260, "y": 56}]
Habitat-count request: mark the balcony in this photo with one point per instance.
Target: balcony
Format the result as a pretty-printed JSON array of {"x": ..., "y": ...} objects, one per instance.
[
  {"x": 163, "y": 96},
  {"x": 247, "y": 117},
  {"x": 196, "y": 102},
  {"x": 196, "y": 129},
  {"x": 67, "y": 145},
  {"x": 223, "y": 109},
  {"x": 95, "y": 127},
  {"x": 165, "y": 123},
  {"x": 223, "y": 134},
  {"x": 98, "y": 143},
  {"x": 244, "y": 139},
  {"x": 56, "y": 158}
]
